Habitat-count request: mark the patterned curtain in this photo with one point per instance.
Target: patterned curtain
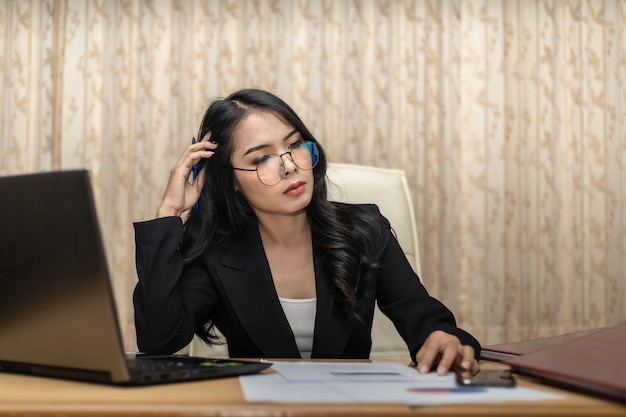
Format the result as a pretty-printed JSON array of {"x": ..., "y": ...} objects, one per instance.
[{"x": 509, "y": 118}]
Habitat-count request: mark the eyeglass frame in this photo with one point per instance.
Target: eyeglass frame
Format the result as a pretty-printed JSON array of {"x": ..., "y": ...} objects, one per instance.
[{"x": 282, "y": 162}]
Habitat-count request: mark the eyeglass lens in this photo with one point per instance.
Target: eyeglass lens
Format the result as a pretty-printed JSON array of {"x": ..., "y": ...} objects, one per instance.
[{"x": 271, "y": 169}]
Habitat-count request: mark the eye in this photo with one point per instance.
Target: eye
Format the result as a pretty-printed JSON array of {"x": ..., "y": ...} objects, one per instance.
[
  {"x": 296, "y": 144},
  {"x": 261, "y": 159}
]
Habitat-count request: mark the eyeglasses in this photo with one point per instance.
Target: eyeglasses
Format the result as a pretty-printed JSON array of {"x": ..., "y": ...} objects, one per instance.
[{"x": 271, "y": 168}]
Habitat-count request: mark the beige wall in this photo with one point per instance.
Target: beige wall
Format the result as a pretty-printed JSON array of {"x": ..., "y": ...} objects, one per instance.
[{"x": 507, "y": 116}]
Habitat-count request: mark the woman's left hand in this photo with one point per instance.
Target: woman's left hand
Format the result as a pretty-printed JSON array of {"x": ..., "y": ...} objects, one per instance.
[{"x": 445, "y": 351}]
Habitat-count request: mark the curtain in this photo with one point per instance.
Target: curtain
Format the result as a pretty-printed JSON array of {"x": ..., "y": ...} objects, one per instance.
[{"x": 507, "y": 116}]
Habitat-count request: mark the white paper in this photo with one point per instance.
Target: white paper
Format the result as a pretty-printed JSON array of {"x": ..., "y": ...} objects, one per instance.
[
  {"x": 274, "y": 388},
  {"x": 412, "y": 394},
  {"x": 358, "y": 382},
  {"x": 355, "y": 372}
]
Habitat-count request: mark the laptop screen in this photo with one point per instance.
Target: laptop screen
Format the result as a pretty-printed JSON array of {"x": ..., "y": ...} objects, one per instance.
[
  {"x": 57, "y": 313},
  {"x": 56, "y": 305}
]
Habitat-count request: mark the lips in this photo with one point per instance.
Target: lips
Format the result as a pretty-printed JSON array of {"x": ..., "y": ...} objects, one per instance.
[{"x": 295, "y": 188}]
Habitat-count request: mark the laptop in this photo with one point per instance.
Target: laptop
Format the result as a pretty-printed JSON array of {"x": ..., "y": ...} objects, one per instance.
[{"x": 58, "y": 316}]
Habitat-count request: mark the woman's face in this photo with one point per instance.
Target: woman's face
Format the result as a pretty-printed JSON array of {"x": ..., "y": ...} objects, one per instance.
[{"x": 259, "y": 134}]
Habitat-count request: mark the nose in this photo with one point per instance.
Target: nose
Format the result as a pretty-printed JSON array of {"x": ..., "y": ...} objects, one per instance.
[{"x": 288, "y": 165}]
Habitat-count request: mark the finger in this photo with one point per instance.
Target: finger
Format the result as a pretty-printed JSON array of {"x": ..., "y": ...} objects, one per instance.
[
  {"x": 466, "y": 360},
  {"x": 203, "y": 145},
  {"x": 449, "y": 355},
  {"x": 206, "y": 137},
  {"x": 199, "y": 183},
  {"x": 426, "y": 356},
  {"x": 194, "y": 158},
  {"x": 207, "y": 143},
  {"x": 474, "y": 367}
]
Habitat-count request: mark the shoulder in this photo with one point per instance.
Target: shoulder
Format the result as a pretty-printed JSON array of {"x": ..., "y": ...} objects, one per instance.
[
  {"x": 367, "y": 221},
  {"x": 363, "y": 212},
  {"x": 357, "y": 208}
]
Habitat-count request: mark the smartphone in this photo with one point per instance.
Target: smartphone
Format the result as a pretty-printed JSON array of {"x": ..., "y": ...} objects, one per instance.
[{"x": 485, "y": 378}]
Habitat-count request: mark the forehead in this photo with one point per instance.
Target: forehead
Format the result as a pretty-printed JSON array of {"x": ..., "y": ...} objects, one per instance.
[{"x": 260, "y": 127}]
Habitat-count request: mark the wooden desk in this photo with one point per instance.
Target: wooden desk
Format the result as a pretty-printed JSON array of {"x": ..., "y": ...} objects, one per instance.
[{"x": 34, "y": 396}]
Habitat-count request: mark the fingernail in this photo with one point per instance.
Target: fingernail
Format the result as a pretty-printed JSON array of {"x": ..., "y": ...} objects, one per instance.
[
  {"x": 466, "y": 365},
  {"x": 442, "y": 370},
  {"x": 423, "y": 369}
]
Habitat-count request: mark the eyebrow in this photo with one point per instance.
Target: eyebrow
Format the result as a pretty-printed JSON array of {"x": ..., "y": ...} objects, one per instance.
[{"x": 256, "y": 148}]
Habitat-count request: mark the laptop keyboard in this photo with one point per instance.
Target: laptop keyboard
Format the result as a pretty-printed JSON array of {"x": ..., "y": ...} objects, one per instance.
[
  {"x": 167, "y": 363},
  {"x": 164, "y": 368},
  {"x": 158, "y": 364}
]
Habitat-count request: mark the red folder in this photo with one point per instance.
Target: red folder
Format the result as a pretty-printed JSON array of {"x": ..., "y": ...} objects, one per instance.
[
  {"x": 512, "y": 350},
  {"x": 594, "y": 363}
]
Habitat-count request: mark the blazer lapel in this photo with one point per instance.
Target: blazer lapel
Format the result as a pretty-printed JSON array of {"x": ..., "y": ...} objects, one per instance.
[{"x": 247, "y": 280}]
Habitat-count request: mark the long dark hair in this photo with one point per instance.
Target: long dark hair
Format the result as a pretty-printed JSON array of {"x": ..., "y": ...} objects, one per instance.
[{"x": 223, "y": 214}]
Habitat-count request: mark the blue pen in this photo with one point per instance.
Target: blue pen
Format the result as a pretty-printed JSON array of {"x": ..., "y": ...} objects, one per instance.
[{"x": 194, "y": 174}]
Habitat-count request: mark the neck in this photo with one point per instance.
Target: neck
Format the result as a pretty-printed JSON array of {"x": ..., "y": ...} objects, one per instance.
[{"x": 284, "y": 230}]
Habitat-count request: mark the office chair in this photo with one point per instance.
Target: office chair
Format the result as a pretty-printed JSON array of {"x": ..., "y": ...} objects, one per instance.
[{"x": 388, "y": 189}]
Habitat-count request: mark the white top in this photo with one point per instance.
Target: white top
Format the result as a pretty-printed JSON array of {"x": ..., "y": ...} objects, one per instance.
[{"x": 300, "y": 313}]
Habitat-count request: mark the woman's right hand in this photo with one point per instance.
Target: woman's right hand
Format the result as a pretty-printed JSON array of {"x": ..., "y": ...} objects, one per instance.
[{"x": 181, "y": 194}]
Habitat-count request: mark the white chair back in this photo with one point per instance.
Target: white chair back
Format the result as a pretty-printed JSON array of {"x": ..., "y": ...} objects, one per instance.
[{"x": 388, "y": 189}]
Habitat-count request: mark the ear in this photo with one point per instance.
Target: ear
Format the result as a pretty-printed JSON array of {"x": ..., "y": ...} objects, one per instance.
[{"x": 235, "y": 183}]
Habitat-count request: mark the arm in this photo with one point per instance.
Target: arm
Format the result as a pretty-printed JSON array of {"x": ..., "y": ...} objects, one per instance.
[
  {"x": 171, "y": 300},
  {"x": 428, "y": 326}
]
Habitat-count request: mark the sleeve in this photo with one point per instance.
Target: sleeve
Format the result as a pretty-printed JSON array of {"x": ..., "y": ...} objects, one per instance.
[
  {"x": 404, "y": 299},
  {"x": 172, "y": 300}
]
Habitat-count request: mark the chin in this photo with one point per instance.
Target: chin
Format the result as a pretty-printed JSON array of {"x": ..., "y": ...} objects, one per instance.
[{"x": 300, "y": 204}]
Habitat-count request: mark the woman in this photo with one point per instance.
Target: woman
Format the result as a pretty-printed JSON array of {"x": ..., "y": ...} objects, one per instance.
[{"x": 268, "y": 260}]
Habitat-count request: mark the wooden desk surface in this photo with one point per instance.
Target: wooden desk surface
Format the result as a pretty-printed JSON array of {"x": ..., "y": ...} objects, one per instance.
[{"x": 35, "y": 396}]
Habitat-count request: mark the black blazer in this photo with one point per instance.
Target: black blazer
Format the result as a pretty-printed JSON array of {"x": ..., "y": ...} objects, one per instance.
[{"x": 232, "y": 286}]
